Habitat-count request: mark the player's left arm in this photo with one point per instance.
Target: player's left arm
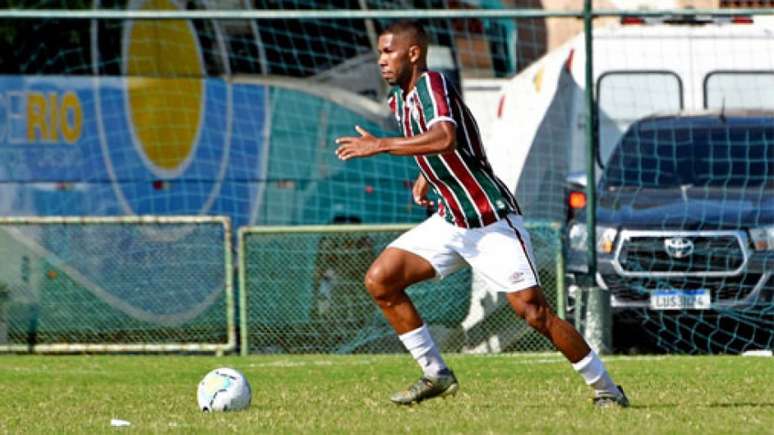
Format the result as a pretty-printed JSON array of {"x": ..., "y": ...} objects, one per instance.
[{"x": 441, "y": 138}]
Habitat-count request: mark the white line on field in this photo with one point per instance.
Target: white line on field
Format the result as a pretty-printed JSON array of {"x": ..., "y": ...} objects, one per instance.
[
  {"x": 541, "y": 361},
  {"x": 626, "y": 358},
  {"x": 535, "y": 358},
  {"x": 291, "y": 363}
]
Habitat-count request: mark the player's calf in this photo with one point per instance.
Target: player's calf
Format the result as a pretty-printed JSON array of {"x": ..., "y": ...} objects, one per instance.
[{"x": 531, "y": 305}]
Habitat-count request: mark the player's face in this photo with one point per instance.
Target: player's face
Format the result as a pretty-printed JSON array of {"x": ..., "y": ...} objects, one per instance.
[{"x": 394, "y": 59}]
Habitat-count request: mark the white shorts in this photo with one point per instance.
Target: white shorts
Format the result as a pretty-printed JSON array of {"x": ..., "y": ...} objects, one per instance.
[{"x": 501, "y": 252}]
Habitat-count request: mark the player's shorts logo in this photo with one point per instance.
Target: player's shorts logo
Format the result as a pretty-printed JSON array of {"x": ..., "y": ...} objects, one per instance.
[{"x": 517, "y": 277}]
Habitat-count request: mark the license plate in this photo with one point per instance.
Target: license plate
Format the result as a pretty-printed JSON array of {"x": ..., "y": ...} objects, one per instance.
[{"x": 698, "y": 299}]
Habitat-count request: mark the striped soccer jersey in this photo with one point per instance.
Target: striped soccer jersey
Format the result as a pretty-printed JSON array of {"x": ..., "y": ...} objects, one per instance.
[{"x": 471, "y": 195}]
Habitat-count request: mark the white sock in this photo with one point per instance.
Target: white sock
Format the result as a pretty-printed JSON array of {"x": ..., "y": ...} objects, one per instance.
[
  {"x": 420, "y": 345},
  {"x": 594, "y": 372}
]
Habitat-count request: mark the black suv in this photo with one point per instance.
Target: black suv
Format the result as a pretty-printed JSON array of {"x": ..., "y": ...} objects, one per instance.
[{"x": 685, "y": 215}]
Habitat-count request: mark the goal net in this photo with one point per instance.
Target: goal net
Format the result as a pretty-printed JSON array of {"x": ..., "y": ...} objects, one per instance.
[{"x": 238, "y": 117}]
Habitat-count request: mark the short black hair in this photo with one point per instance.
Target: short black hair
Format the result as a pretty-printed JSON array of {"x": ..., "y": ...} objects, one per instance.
[{"x": 411, "y": 27}]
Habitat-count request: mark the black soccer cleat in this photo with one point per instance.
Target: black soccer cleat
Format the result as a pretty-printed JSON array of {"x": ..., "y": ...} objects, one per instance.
[
  {"x": 610, "y": 400},
  {"x": 428, "y": 387}
]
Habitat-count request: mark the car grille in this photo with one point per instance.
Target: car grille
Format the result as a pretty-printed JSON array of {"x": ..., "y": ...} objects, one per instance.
[
  {"x": 722, "y": 289},
  {"x": 709, "y": 253}
]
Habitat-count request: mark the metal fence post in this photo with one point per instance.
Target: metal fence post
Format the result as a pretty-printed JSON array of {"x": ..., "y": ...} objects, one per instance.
[{"x": 598, "y": 320}]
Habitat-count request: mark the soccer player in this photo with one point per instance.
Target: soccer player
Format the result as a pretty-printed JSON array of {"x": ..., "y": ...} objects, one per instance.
[{"x": 478, "y": 221}]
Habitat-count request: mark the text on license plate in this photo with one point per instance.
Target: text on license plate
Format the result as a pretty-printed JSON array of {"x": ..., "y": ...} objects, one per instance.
[{"x": 698, "y": 299}]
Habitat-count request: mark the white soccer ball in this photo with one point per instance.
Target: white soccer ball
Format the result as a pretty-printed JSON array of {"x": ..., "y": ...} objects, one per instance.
[{"x": 223, "y": 389}]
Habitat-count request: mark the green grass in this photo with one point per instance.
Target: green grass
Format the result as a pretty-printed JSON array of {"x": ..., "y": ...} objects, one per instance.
[{"x": 537, "y": 393}]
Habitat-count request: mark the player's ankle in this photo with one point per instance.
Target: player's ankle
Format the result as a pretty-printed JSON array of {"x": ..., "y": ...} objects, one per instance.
[
  {"x": 595, "y": 374},
  {"x": 606, "y": 386},
  {"x": 436, "y": 370}
]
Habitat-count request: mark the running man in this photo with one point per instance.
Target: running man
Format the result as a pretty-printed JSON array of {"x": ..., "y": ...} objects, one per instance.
[{"x": 478, "y": 221}]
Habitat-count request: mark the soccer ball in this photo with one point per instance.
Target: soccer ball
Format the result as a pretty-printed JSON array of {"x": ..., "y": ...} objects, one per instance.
[{"x": 223, "y": 389}]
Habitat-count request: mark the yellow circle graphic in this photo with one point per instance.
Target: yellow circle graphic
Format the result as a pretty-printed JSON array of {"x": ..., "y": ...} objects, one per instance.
[{"x": 165, "y": 87}]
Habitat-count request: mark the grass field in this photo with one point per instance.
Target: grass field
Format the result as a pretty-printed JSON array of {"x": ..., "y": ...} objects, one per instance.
[{"x": 348, "y": 394}]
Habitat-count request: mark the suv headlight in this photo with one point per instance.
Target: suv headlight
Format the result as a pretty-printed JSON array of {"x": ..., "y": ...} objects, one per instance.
[
  {"x": 763, "y": 238},
  {"x": 578, "y": 236},
  {"x": 606, "y": 239}
]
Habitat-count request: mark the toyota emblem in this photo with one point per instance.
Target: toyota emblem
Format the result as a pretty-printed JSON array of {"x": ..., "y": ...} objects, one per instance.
[{"x": 678, "y": 247}]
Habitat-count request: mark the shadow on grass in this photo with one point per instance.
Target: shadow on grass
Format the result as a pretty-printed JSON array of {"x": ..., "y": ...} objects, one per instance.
[
  {"x": 742, "y": 405},
  {"x": 653, "y": 406},
  {"x": 710, "y": 405}
]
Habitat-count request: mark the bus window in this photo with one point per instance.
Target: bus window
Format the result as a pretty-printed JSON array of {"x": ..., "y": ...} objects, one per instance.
[
  {"x": 626, "y": 96},
  {"x": 739, "y": 90}
]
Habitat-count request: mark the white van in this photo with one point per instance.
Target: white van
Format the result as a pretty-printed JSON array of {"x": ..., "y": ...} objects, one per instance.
[{"x": 641, "y": 67}]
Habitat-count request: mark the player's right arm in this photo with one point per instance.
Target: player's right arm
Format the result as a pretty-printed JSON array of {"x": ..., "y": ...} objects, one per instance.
[{"x": 439, "y": 139}]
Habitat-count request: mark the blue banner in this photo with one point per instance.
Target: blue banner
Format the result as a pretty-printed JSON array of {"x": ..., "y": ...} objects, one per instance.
[{"x": 129, "y": 145}]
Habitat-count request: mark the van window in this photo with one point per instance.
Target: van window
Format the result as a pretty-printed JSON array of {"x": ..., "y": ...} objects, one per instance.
[
  {"x": 626, "y": 96},
  {"x": 735, "y": 156},
  {"x": 739, "y": 90}
]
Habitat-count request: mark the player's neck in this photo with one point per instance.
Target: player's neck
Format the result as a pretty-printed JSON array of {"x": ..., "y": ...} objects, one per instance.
[{"x": 411, "y": 84}]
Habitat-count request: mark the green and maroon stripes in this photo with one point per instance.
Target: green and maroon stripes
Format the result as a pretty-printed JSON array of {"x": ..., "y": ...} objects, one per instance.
[
  {"x": 449, "y": 191},
  {"x": 470, "y": 132},
  {"x": 434, "y": 99},
  {"x": 482, "y": 203},
  {"x": 492, "y": 184},
  {"x": 472, "y": 195},
  {"x": 469, "y": 198},
  {"x": 457, "y": 177}
]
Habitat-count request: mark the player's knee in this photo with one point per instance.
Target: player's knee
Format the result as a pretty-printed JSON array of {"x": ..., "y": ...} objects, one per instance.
[
  {"x": 374, "y": 280},
  {"x": 379, "y": 283}
]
